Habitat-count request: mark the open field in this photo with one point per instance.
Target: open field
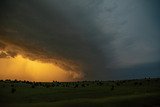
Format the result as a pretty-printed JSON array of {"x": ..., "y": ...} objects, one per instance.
[{"x": 124, "y": 93}]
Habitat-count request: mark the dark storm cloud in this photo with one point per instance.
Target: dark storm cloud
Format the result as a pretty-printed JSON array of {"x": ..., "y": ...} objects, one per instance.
[
  {"x": 141, "y": 71},
  {"x": 2, "y": 46},
  {"x": 92, "y": 36},
  {"x": 52, "y": 30}
]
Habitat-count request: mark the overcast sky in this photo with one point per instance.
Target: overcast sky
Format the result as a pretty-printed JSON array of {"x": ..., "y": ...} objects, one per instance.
[{"x": 103, "y": 39}]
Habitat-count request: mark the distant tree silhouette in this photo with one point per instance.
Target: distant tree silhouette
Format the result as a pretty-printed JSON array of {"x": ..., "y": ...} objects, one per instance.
[
  {"x": 15, "y": 81},
  {"x": 7, "y": 80}
]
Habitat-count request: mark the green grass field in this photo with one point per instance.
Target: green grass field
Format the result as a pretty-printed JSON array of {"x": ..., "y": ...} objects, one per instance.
[{"x": 125, "y": 93}]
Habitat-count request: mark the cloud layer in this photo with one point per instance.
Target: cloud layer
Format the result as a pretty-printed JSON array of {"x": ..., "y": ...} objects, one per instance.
[{"x": 92, "y": 37}]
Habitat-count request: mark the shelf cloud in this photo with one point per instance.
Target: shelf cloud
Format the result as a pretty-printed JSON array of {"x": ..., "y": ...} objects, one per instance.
[{"x": 94, "y": 38}]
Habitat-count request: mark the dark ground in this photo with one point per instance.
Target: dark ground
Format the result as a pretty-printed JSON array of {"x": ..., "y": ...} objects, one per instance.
[{"x": 124, "y": 93}]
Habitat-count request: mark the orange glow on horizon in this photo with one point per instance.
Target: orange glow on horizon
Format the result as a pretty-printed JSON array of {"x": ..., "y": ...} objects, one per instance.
[{"x": 21, "y": 68}]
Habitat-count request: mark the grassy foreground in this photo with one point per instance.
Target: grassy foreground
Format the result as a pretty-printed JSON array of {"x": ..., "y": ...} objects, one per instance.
[{"x": 125, "y": 93}]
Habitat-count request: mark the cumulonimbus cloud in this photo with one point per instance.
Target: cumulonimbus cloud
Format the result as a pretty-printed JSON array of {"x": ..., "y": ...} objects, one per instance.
[
  {"x": 93, "y": 37},
  {"x": 47, "y": 34}
]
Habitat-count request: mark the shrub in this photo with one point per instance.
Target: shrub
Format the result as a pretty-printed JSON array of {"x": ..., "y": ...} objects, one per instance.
[
  {"x": 13, "y": 90},
  {"x": 33, "y": 86},
  {"x": 12, "y": 85},
  {"x": 135, "y": 83},
  {"x": 76, "y": 86},
  {"x": 83, "y": 85},
  {"x": 140, "y": 83},
  {"x": 112, "y": 87}
]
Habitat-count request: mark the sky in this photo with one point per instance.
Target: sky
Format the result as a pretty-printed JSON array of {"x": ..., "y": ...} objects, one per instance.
[{"x": 70, "y": 40}]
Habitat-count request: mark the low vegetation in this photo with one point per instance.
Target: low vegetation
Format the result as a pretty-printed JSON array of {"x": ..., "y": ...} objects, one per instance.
[{"x": 122, "y": 93}]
